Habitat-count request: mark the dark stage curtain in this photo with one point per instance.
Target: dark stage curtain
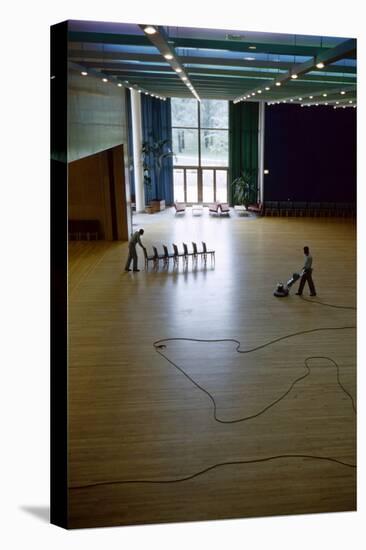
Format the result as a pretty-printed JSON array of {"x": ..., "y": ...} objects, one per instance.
[
  {"x": 157, "y": 125},
  {"x": 243, "y": 140},
  {"x": 130, "y": 144}
]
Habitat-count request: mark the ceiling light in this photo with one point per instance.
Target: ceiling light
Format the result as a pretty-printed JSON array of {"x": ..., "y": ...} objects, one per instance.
[
  {"x": 350, "y": 101},
  {"x": 311, "y": 96},
  {"x": 252, "y": 47},
  {"x": 320, "y": 65},
  {"x": 337, "y": 102},
  {"x": 178, "y": 70},
  {"x": 316, "y": 104},
  {"x": 184, "y": 78},
  {"x": 105, "y": 79},
  {"x": 249, "y": 58},
  {"x": 168, "y": 56},
  {"x": 300, "y": 98},
  {"x": 294, "y": 76},
  {"x": 253, "y": 93},
  {"x": 84, "y": 73},
  {"x": 259, "y": 91},
  {"x": 126, "y": 81},
  {"x": 119, "y": 84},
  {"x": 342, "y": 92},
  {"x": 150, "y": 30},
  {"x": 291, "y": 99},
  {"x": 325, "y": 103},
  {"x": 278, "y": 83},
  {"x": 267, "y": 88},
  {"x": 324, "y": 95}
]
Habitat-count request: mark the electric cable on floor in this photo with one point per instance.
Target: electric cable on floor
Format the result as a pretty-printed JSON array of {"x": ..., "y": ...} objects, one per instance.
[
  {"x": 159, "y": 345},
  {"x": 328, "y": 305}
]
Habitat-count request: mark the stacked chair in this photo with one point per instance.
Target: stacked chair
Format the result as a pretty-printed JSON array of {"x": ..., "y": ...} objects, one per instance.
[{"x": 311, "y": 209}]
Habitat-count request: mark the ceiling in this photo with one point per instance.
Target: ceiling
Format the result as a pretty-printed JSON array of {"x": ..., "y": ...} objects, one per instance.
[{"x": 217, "y": 64}]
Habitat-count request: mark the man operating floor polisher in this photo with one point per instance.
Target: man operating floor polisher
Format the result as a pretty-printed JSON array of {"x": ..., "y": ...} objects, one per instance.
[{"x": 283, "y": 290}]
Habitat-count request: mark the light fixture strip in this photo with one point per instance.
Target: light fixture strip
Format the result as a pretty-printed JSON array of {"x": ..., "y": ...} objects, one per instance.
[{"x": 158, "y": 39}]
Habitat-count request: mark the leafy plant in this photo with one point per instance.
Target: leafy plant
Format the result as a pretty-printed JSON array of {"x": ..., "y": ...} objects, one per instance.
[
  {"x": 154, "y": 152},
  {"x": 245, "y": 188}
]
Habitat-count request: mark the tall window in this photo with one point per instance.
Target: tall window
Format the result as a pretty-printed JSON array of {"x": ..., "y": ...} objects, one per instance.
[{"x": 201, "y": 147}]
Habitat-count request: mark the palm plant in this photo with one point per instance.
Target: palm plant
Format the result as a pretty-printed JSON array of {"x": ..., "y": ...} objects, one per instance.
[{"x": 245, "y": 189}]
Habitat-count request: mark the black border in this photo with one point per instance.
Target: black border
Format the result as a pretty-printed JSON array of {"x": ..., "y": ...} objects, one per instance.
[{"x": 59, "y": 417}]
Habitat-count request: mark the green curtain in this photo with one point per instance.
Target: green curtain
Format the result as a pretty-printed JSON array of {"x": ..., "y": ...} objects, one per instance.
[{"x": 243, "y": 140}]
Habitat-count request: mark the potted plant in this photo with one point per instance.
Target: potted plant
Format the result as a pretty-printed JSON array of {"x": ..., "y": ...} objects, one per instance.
[
  {"x": 245, "y": 189},
  {"x": 154, "y": 153}
]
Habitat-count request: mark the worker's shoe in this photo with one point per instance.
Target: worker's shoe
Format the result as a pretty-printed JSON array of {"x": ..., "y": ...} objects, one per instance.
[
  {"x": 313, "y": 294},
  {"x": 136, "y": 270},
  {"x": 298, "y": 293},
  {"x": 128, "y": 270}
]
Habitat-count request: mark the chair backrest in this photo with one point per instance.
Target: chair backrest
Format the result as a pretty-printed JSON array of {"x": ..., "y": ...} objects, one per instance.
[
  {"x": 145, "y": 253},
  {"x": 194, "y": 245},
  {"x": 155, "y": 252},
  {"x": 175, "y": 248},
  {"x": 204, "y": 247},
  {"x": 224, "y": 207},
  {"x": 185, "y": 249},
  {"x": 166, "y": 253}
]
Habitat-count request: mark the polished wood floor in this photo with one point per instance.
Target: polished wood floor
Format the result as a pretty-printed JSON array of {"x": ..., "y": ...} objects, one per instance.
[{"x": 134, "y": 416}]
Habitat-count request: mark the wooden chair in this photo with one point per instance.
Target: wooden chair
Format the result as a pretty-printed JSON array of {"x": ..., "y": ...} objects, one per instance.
[
  {"x": 178, "y": 254},
  {"x": 205, "y": 252},
  {"x": 159, "y": 256},
  {"x": 187, "y": 253},
  {"x": 196, "y": 252},
  {"x": 148, "y": 259},
  {"x": 168, "y": 255}
]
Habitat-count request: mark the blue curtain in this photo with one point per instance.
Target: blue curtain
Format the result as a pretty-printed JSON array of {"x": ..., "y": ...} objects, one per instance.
[{"x": 156, "y": 126}]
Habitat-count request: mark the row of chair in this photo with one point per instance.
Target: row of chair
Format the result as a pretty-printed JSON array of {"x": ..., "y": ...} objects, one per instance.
[
  {"x": 155, "y": 258},
  {"x": 219, "y": 208},
  {"x": 314, "y": 209}
]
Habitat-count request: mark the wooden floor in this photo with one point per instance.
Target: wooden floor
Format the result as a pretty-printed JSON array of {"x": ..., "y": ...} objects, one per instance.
[{"x": 134, "y": 416}]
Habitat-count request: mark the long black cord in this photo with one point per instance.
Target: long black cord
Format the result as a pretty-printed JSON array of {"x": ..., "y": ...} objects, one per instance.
[
  {"x": 328, "y": 305},
  {"x": 159, "y": 345}
]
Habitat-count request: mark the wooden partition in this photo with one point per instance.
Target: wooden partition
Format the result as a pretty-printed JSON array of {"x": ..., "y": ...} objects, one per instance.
[{"x": 97, "y": 190}]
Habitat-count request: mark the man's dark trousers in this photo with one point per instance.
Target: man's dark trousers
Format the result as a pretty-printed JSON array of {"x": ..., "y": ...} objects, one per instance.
[
  {"x": 132, "y": 256},
  {"x": 306, "y": 276}
]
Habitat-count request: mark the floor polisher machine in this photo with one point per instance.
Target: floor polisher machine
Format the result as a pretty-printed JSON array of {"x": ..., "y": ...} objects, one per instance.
[{"x": 283, "y": 290}]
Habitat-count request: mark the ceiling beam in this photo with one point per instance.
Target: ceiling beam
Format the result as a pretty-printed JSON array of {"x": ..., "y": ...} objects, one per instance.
[
  {"x": 345, "y": 49},
  {"x": 93, "y": 56}
]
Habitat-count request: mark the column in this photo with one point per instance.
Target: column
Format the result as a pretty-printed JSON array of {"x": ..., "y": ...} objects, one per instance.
[
  {"x": 262, "y": 106},
  {"x": 137, "y": 147}
]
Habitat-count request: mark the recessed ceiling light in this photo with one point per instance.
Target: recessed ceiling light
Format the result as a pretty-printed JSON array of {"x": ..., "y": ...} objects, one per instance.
[
  {"x": 252, "y": 47},
  {"x": 267, "y": 88},
  {"x": 126, "y": 82},
  {"x": 300, "y": 98},
  {"x": 325, "y": 103},
  {"x": 278, "y": 83},
  {"x": 105, "y": 79},
  {"x": 249, "y": 58},
  {"x": 316, "y": 104},
  {"x": 291, "y": 99},
  {"x": 294, "y": 76},
  {"x": 337, "y": 102},
  {"x": 259, "y": 91},
  {"x": 324, "y": 95},
  {"x": 350, "y": 101},
  {"x": 150, "y": 30},
  {"x": 119, "y": 84},
  {"x": 84, "y": 73},
  {"x": 342, "y": 92},
  {"x": 184, "y": 78},
  {"x": 253, "y": 93},
  {"x": 178, "y": 70},
  {"x": 168, "y": 56},
  {"x": 311, "y": 96},
  {"x": 320, "y": 65}
]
